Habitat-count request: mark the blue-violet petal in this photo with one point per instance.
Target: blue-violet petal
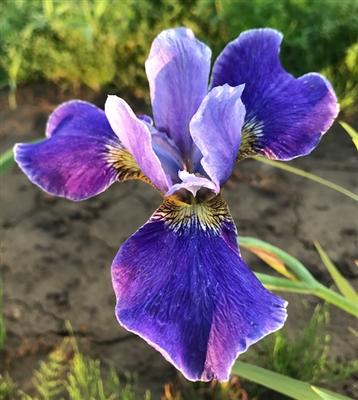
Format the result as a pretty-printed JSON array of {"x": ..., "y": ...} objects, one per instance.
[
  {"x": 178, "y": 71},
  {"x": 182, "y": 285},
  {"x": 81, "y": 157},
  {"x": 285, "y": 116},
  {"x": 216, "y": 131}
]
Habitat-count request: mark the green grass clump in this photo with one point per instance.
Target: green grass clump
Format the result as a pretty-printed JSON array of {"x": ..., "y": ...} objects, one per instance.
[
  {"x": 304, "y": 357},
  {"x": 96, "y": 43},
  {"x": 2, "y": 327},
  {"x": 344, "y": 76},
  {"x": 69, "y": 43},
  {"x": 75, "y": 377},
  {"x": 7, "y": 387},
  {"x": 71, "y": 375},
  {"x": 84, "y": 382},
  {"x": 49, "y": 378}
]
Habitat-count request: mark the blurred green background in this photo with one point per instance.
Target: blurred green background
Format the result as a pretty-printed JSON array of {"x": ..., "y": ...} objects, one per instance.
[{"x": 104, "y": 43}]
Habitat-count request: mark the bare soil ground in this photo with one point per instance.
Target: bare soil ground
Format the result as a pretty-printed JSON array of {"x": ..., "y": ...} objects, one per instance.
[{"x": 56, "y": 254}]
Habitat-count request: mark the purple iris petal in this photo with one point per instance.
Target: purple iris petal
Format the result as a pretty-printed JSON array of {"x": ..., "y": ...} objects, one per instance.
[
  {"x": 216, "y": 130},
  {"x": 182, "y": 285},
  {"x": 285, "y": 117},
  {"x": 136, "y": 137},
  {"x": 178, "y": 71},
  {"x": 168, "y": 154},
  {"x": 146, "y": 119},
  {"x": 77, "y": 160},
  {"x": 165, "y": 149}
]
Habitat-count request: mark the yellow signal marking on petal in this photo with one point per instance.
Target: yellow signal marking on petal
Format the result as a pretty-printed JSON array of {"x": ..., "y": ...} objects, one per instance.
[
  {"x": 273, "y": 261},
  {"x": 181, "y": 216},
  {"x": 251, "y": 130},
  {"x": 125, "y": 164}
]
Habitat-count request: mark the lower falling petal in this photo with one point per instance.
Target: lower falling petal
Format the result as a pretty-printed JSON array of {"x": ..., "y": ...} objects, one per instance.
[{"x": 182, "y": 285}]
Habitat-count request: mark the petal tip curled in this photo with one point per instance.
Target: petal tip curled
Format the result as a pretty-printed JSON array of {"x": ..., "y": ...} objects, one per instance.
[
  {"x": 271, "y": 35},
  {"x": 20, "y": 157},
  {"x": 70, "y": 110}
]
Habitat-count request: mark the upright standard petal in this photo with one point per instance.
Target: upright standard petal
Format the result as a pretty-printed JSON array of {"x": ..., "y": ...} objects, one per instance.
[
  {"x": 178, "y": 71},
  {"x": 182, "y": 285},
  {"x": 136, "y": 137},
  {"x": 216, "y": 130},
  {"x": 81, "y": 157},
  {"x": 168, "y": 154},
  {"x": 285, "y": 116}
]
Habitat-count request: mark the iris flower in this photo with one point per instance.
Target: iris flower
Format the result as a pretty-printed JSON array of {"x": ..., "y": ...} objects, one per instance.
[{"x": 180, "y": 281}]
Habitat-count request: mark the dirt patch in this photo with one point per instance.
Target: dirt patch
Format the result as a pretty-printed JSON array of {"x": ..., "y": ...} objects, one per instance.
[{"x": 56, "y": 254}]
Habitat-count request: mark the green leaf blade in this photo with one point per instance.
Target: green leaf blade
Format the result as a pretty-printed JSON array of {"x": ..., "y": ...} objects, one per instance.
[
  {"x": 6, "y": 160},
  {"x": 298, "y": 269},
  {"x": 322, "y": 394},
  {"x": 280, "y": 383},
  {"x": 343, "y": 285},
  {"x": 351, "y": 132},
  {"x": 308, "y": 175},
  {"x": 282, "y": 284},
  {"x": 305, "y": 278}
]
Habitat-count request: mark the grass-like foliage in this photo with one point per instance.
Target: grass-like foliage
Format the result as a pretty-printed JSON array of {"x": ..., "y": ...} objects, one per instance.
[
  {"x": 7, "y": 387},
  {"x": 65, "y": 42},
  {"x": 347, "y": 91},
  {"x": 303, "y": 356},
  {"x": 96, "y": 43},
  {"x": 349, "y": 129},
  {"x": 48, "y": 379},
  {"x": 2, "y": 327},
  {"x": 84, "y": 382},
  {"x": 69, "y": 374}
]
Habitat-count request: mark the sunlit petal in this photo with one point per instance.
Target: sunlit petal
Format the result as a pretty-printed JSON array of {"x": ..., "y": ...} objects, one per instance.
[
  {"x": 136, "y": 137},
  {"x": 178, "y": 72},
  {"x": 216, "y": 130}
]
